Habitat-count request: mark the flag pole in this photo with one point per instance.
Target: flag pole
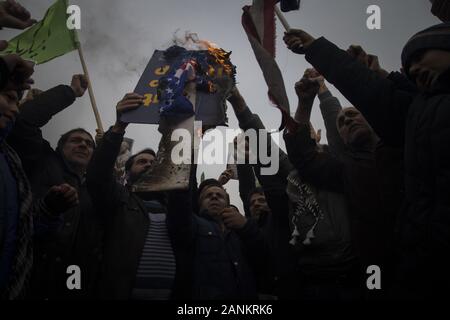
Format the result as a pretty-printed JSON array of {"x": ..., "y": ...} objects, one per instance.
[
  {"x": 91, "y": 92},
  {"x": 282, "y": 19}
]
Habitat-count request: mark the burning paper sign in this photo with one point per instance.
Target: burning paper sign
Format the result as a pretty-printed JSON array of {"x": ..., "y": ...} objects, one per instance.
[
  {"x": 169, "y": 73},
  {"x": 182, "y": 84}
]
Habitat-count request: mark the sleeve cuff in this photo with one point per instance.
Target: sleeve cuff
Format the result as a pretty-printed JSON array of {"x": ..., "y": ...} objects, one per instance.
[
  {"x": 245, "y": 116},
  {"x": 113, "y": 136},
  {"x": 69, "y": 91},
  {"x": 318, "y": 54},
  {"x": 325, "y": 95}
]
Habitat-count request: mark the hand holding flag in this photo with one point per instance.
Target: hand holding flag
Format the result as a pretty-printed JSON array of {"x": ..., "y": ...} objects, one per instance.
[
  {"x": 298, "y": 40},
  {"x": 258, "y": 21},
  {"x": 79, "y": 84},
  {"x": 47, "y": 39},
  {"x": 13, "y": 15}
]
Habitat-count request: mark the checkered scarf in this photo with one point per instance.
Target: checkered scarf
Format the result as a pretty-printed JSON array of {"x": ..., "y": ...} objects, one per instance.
[
  {"x": 23, "y": 259},
  {"x": 305, "y": 205}
]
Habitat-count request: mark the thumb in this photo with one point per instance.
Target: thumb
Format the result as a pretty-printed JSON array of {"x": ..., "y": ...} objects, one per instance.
[{"x": 54, "y": 190}]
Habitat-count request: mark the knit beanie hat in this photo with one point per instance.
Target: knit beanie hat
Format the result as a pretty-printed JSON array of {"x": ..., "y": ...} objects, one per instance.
[{"x": 435, "y": 37}]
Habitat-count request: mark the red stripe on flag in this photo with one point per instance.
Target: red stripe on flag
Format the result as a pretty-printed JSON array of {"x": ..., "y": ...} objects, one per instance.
[
  {"x": 269, "y": 26},
  {"x": 265, "y": 54},
  {"x": 268, "y": 14}
]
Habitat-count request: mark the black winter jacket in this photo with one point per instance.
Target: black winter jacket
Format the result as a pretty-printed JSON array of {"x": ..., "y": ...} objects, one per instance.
[
  {"x": 77, "y": 240},
  {"x": 420, "y": 123}
]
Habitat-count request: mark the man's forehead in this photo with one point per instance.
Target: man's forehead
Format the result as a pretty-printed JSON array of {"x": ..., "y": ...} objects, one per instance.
[
  {"x": 257, "y": 195},
  {"x": 146, "y": 156},
  {"x": 214, "y": 189},
  {"x": 80, "y": 134}
]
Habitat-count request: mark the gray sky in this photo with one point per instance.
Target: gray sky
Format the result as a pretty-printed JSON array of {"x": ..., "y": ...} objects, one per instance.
[{"x": 119, "y": 37}]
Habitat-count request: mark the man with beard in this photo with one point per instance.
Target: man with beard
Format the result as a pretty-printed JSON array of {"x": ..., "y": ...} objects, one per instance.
[
  {"x": 77, "y": 239},
  {"x": 258, "y": 205},
  {"x": 361, "y": 174},
  {"x": 140, "y": 245},
  {"x": 222, "y": 249},
  {"x": 18, "y": 215},
  {"x": 418, "y": 122}
]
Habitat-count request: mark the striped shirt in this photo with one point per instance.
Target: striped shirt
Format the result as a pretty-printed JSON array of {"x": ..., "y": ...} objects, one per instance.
[{"x": 156, "y": 271}]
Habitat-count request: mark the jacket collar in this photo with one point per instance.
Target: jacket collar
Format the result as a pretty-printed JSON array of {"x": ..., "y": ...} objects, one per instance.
[{"x": 68, "y": 169}]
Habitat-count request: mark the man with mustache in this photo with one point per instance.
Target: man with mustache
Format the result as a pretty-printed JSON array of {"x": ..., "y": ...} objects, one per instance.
[
  {"x": 18, "y": 214},
  {"x": 141, "y": 256},
  {"x": 77, "y": 239},
  {"x": 357, "y": 170},
  {"x": 416, "y": 121},
  {"x": 223, "y": 249}
]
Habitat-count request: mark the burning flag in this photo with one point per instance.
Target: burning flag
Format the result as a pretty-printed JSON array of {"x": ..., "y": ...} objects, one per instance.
[
  {"x": 194, "y": 67},
  {"x": 258, "y": 21},
  {"x": 188, "y": 81},
  {"x": 174, "y": 76}
]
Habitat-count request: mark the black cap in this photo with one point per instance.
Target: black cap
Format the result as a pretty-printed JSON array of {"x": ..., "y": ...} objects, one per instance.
[{"x": 435, "y": 37}]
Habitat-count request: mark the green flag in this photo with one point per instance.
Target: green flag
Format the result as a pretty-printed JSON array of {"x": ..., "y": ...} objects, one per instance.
[{"x": 47, "y": 39}]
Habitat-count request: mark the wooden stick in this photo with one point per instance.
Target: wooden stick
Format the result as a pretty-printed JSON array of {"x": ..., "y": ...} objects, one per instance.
[
  {"x": 91, "y": 92},
  {"x": 282, "y": 19}
]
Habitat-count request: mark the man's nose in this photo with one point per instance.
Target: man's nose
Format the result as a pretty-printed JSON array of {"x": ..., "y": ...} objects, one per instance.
[
  {"x": 148, "y": 165},
  {"x": 348, "y": 120},
  {"x": 83, "y": 144},
  {"x": 214, "y": 197}
]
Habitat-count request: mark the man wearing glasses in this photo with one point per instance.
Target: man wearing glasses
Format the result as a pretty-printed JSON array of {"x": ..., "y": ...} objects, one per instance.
[{"x": 77, "y": 239}]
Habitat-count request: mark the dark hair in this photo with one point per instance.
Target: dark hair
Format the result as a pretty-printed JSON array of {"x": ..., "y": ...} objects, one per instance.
[
  {"x": 62, "y": 141},
  {"x": 130, "y": 161},
  {"x": 255, "y": 191},
  {"x": 208, "y": 183}
]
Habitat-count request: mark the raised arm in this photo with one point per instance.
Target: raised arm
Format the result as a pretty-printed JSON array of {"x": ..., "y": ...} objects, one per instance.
[
  {"x": 248, "y": 120},
  {"x": 306, "y": 90},
  {"x": 380, "y": 101},
  {"x": 247, "y": 183},
  {"x": 102, "y": 186},
  {"x": 320, "y": 169},
  {"x": 39, "y": 111},
  {"x": 26, "y": 137}
]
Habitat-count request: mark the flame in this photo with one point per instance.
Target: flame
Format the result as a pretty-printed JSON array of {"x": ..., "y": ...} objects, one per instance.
[{"x": 221, "y": 57}]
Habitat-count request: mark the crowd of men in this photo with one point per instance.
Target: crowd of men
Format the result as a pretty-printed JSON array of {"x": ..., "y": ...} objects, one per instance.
[{"x": 378, "y": 194}]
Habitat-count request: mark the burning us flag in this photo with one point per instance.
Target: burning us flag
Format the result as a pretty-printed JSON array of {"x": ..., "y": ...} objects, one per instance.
[
  {"x": 170, "y": 73},
  {"x": 190, "y": 80},
  {"x": 258, "y": 21},
  {"x": 196, "y": 67}
]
